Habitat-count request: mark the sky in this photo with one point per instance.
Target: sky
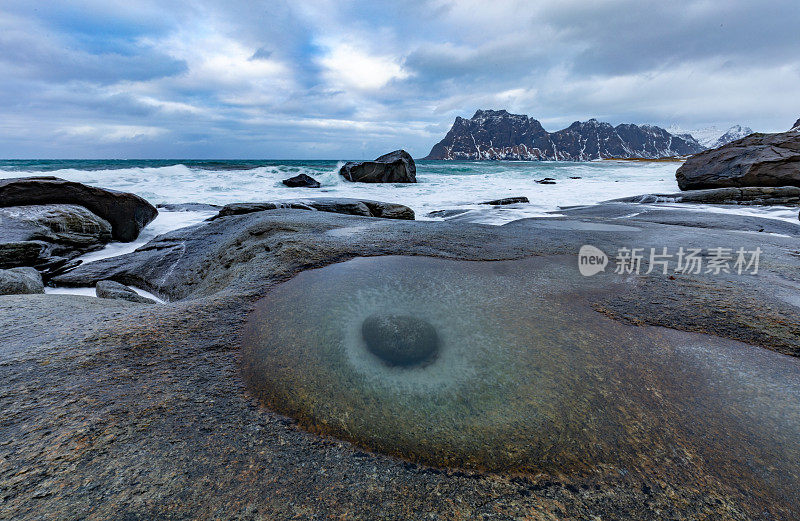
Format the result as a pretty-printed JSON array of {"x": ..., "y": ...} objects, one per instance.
[{"x": 354, "y": 79}]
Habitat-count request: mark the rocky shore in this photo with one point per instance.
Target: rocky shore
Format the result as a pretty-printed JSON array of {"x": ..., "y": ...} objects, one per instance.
[{"x": 655, "y": 395}]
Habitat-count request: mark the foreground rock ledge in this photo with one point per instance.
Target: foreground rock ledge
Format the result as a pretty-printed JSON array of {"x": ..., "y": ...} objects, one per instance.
[{"x": 111, "y": 409}]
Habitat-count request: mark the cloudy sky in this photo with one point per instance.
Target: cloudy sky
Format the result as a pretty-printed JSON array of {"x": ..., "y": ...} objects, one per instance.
[{"x": 350, "y": 79}]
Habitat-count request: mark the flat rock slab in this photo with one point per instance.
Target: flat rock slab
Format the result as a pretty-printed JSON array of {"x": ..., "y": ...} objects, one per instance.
[
  {"x": 114, "y": 409},
  {"x": 342, "y": 205},
  {"x": 747, "y": 195}
]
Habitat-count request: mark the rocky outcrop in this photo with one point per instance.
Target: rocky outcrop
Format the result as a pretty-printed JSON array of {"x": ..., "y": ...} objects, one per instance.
[
  {"x": 115, "y": 290},
  {"x": 748, "y": 195},
  {"x": 48, "y": 236},
  {"x": 127, "y": 213},
  {"x": 333, "y": 205},
  {"x": 301, "y": 181},
  {"x": 756, "y": 160},
  {"x": 20, "y": 281},
  {"x": 496, "y": 134},
  {"x": 796, "y": 125},
  {"x": 394, "y": 167}
]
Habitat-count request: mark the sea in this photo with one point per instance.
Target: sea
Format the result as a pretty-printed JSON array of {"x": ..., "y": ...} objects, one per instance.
[{"x": 442, "y": 185}]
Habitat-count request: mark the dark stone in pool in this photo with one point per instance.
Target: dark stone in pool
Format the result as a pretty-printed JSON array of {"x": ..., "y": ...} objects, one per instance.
[{"x": 400, "y": 340}]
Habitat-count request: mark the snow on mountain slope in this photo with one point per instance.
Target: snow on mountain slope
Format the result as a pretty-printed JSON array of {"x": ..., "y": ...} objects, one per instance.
[{"x": 713, "y": 137}]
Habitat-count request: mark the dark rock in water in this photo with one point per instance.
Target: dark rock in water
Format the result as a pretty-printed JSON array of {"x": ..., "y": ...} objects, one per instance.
[
  {"x": 400, "y": 340},
  {"x": 546, "y": 181},
  {"x": 508, "y": 200},
  {"x": 188, "y": 207},
  {"x": 333, "y": 205},
  {"x": 394, "y": 167},
  {"x": 301, "y": 181},
  {"x": 748, "y": 195},
  {"x": 756, "y": 160},
  {"x": 40, "y": 234},
  {"x": 444, "y": 214},
  {"x": 20, "y": 281},
  {"x": 575, "y": 177},
  {"x": 496, "y": 134},
  {"x": 115, "y": 290},
  {"x": 127, "y": 213}
]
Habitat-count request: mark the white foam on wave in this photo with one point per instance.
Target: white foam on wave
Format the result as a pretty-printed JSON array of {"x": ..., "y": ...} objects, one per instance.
[
  {"x": 163, "y": 223},
  {"x": 442, "y": 185}
]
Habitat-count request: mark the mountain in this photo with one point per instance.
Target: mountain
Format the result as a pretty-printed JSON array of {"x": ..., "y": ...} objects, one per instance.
[
  {"x": 796, "y": 125},
  {"x": 732, "y": 134},
  {"x": 712, "y": 137},
  {"x": 496, "y": 134}
]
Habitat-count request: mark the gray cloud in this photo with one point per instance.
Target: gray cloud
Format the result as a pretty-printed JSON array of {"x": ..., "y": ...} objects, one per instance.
[{"x": 341, "y": 79}]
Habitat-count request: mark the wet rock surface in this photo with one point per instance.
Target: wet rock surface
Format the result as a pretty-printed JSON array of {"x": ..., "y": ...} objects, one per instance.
[
  {"x": 127, "y": 213},
  {"x": 756, "y": 160},
  {"x": 114, "y": 290},
  {"x": 20, "y": 281},
  {"x": 121, "y": 410},
  {"x": 394, "y": 167}
]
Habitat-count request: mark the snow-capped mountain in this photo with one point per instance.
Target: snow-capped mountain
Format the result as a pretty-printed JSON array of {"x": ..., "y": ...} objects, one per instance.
[
  {"x": 496, "y": 134},
  {"x": 713, "y": 137}
]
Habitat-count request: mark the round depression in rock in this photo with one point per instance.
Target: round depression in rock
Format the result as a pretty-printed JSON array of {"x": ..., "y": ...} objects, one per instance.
[{"x": 506, "y": 366}]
